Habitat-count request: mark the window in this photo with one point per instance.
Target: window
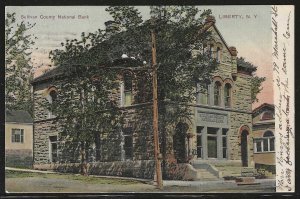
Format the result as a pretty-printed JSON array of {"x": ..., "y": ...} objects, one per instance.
[
  {"x": 217, "y": 94},
  {"x": 128, "y": 143},
  {"x": 212, "y": 142},
  {"x": 267, "y": 116},
  {"x": 127, "y": 89},
  {"x": 204, "y": 49},
  {"x": 199, "y": 141},
  {"x": 211, "y": 50},
  {"x": 52, "y": 96},
  {"x": 17, "y": 136},
  {"x": 227, "y": 95},
  {"x": 218, "y": 54},
  {"x": 224, "y": 143},
  {"x": 204, "y": 94},
  {"x": 266, "y": 143},
  {"x": 97, "y": 146},
  {"x": 53, "y": 152}
]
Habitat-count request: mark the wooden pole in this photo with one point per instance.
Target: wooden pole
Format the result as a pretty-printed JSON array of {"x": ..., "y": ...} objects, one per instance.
[{"x": 157, "y": 154}]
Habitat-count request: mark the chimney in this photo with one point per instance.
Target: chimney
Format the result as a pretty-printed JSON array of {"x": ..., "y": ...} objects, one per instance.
[
  {"x": 210, "y": 19},
  {"x": 233, "y": 51}
]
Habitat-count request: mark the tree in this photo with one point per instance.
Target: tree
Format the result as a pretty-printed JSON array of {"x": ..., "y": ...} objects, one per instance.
[
  {"x": 256, "y": 81},
  {"x": 18, "y": 68},
  {"x": 180, "y": 67}
]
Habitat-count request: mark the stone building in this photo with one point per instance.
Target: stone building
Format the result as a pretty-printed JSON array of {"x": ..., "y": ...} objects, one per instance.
[
  {"x": 18, "y": 138},
  {"x": 217, "y": 142},
  {"x": 264, "y": 137}
]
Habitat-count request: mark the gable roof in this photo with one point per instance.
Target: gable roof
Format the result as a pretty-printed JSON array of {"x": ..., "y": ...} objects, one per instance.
[
  {"x": 48, "y": 75},
  {"x": 18, "y": 116},
  {"x": 258, "y": 109},
  {"x": 222, "y": 38},
  {"x": 122, "y": 63}
]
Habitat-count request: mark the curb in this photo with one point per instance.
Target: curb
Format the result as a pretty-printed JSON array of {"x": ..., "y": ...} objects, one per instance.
[{"x": 147, "y": 181}]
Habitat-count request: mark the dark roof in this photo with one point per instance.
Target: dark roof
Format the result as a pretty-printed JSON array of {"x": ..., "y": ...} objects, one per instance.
[
  {"x": 48, "y": 75},
  {"x": 262, "y": 106},
  {"x": 17, "y": 116},
  {"x": 245, "y": 65},
  {"x": 57, "y": 71}
]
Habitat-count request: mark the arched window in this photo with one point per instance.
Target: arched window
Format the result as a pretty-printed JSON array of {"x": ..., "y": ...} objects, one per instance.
[
  {"x": 217, "y": 93},
  {"x": 218, "y": 54},
  {"x": 203, "y": 91},
  {"x": 53, "y": 95},
  {"x": 266, "y": 143},
  {"x": 267, "y": 116},
  {"x": 127, "y": 89},
  {"x": 227, "y": 95}
]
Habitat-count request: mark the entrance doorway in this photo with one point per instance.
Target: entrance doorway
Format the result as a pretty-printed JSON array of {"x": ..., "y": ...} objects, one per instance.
[
  {"x": 179, "y": 145},
  {"x": 244, "y": 148}
]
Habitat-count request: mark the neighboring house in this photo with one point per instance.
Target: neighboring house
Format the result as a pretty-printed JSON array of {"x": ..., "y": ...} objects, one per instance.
[
  {"x": 18, "y": 138},
  {"x": 264, "y": 137},
  {"x": 218, "y": 137}
]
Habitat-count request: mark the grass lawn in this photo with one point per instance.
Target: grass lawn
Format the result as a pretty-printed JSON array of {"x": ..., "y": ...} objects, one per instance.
[{"x": 84, "y": 179}]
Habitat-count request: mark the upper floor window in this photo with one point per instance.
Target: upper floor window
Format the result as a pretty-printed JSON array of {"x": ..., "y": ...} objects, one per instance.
[
  {"x": 17, "y": 135},
  {"x": 217, "y": 93},
  {"x": 267, "y": 116},
  {"x": 211, "y": 50},
  {"x": 203, "y": 94},
  {"x": 218, "y": 54},
  {"x": 52, "y": 95},
  {"x": 126, "y": 97},
  {"x": 227, "y": 95}
]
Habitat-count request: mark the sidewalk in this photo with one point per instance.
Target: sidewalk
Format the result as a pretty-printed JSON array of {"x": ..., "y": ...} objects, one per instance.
[
  {"x": 216, "y": 183},
  {"x": 149, "y": 181},
  {"x": 181, "y": 186}
]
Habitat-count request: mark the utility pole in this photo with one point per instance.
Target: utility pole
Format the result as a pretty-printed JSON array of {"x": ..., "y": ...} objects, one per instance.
[{"x": 157, "y": 154}]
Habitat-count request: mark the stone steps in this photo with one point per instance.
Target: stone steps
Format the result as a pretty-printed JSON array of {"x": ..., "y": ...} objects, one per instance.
[
  {"x": 230, "y": 170},
  {"x": 205, "y": 175}
]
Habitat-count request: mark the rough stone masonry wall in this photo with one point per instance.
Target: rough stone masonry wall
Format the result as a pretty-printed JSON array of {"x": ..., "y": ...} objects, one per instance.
[
  {"x": 137, "y": 117},
  {"x": 241, "y": 102},
  {"x": 42, "y": 131},
  {"x": 242, "y": 93}
]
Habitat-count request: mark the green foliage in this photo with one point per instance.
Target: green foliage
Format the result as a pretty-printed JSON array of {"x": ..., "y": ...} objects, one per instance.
[
  {"x": 255, "y": 80},
  {"x": 178, "y": 37},
  {"x": 256, "y": 87},
  {"x": 18, "y": 68}
]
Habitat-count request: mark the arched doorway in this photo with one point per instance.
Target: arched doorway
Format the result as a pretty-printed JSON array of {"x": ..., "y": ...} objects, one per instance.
[
  {"x": 179, "y": 140},
  {"x": 244, "y": 148}
]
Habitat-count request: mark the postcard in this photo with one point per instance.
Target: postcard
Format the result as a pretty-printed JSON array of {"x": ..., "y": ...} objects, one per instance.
[{"x": 147, "y": 99}]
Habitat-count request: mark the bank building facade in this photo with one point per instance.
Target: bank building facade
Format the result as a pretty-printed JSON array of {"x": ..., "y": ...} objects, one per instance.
[{"x": 217, "y": 142}]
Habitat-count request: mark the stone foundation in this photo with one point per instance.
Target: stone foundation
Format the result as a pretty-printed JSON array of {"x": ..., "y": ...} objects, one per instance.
[
  {"x": 137, "y": 169},
  {"x": 18, "y": 158}
]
